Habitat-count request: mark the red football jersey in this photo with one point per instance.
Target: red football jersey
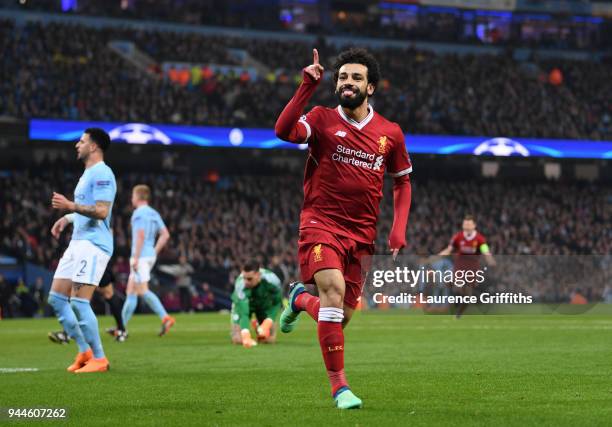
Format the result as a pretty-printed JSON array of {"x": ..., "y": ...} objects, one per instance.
[
  {"x": 467, "y": 251},
  {"x": 343, "y": 179}
]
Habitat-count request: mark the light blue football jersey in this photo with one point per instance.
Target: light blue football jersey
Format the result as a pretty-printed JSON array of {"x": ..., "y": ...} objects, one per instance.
[
  {"x": 148, "y": 219},
  {"x": 96, "y": 184}
]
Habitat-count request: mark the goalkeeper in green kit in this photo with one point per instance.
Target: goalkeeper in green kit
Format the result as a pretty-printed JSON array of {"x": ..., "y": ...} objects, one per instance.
[{"x": 256, "y": 291}]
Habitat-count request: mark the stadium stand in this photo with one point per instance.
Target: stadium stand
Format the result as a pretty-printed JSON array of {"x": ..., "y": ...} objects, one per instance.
[
  {"x": 219, "y": 223},
  {"x": 425, "y": 92},
  {"x": 411, "y": 22}
]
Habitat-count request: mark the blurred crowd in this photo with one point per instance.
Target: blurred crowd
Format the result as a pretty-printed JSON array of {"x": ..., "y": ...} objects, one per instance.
[
  {"x": 68, "y": 71},
  {"x": 218, "y": 224},
  {"x": 235, "y": 13},
  {"x": 428, "y": 24}
]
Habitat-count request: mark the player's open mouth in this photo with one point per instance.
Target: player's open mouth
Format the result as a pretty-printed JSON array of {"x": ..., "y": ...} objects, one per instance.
[{"x": 348, "y": 92}]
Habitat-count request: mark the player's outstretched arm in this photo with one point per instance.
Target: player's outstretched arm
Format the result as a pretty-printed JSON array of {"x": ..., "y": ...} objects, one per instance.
[
  {"x": 446, "y": 251},
  {"x": 287, "y": 126}
]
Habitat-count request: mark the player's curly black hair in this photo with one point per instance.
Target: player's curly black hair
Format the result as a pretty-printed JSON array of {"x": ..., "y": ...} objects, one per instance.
[
  {"x": 358, "y": 56},
  {"x": 99, "y": 137}
]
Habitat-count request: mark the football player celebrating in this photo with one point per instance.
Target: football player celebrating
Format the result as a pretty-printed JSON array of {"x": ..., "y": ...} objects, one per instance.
[{"x": 350, "y": 148}]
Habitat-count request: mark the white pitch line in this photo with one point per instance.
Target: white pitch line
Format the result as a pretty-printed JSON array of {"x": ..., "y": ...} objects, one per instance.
[{"x": 14, "y": 370}]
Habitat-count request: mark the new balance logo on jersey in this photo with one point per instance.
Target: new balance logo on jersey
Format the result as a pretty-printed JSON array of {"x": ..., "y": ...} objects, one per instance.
[{"x": 340, "y": 133}]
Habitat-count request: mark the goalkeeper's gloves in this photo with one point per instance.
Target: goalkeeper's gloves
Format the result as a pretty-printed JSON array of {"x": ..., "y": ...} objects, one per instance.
[
  {"x": 263, "y": 330},
  {"x": 247, "y": 341}
]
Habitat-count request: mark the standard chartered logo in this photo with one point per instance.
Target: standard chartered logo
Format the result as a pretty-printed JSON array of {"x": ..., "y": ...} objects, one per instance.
[
  {"x": 378, "y": 163},
  {"x": 358, "y": 158}
]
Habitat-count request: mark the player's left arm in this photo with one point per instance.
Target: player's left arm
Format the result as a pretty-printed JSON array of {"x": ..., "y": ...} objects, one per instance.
[
  {"x": 162, "y": 240},
  {"x": 140, "y": 238},
  {"x": 138, "y": 235},
  {"x": 400, "y": 168},
  {"x": 273, "y": 308},
  {"x": 164, "y": 236},
  {"x": 61, "y": 224},
  {"x": 276, "y": 296},
  {"x": 486, "y": 252}
]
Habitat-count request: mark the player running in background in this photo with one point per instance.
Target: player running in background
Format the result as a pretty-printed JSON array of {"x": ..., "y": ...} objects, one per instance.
[
  {"x": 81, "y": 267},
  {"x": 257, "y": 291},
  {"x": 467, "y": 246},
  {"x": 147, "y": 224},
  {"x": 350, "y": 147},
  {"x": 106, "y": 289}
]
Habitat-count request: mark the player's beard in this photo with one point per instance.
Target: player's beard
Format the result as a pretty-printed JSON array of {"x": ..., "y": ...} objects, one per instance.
[
  {"x": 82, "y": 157},
  {"x": 351, "y": 102}
]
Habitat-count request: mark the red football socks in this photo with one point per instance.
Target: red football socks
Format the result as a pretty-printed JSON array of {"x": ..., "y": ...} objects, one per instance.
[
  {"x": 331, "y": 339},
  {"x": 308, "y": 303},
  {"x": 337, "y": 381}
]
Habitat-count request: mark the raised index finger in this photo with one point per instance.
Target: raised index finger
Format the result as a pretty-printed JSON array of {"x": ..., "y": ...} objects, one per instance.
[{"x": 315, "y": 56}]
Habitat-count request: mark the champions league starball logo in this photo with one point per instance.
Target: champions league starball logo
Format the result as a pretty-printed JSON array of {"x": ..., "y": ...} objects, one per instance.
[
  {"x": 138, "y": 133},
  {"x": 502, "y": 147}
]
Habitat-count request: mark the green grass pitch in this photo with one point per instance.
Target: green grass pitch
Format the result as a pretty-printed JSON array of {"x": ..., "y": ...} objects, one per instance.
[{"x": 408, "y": 369}]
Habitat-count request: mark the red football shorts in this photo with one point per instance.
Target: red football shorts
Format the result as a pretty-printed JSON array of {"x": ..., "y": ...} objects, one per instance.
[{"x": 321, "y": 249}]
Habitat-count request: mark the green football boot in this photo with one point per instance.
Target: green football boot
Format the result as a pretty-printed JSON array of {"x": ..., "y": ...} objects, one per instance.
[
  {"x": 345, "y": 399},
  {"x": 289, "y": 316}
]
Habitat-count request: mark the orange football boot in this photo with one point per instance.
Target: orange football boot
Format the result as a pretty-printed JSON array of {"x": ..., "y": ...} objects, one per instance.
[
  {"x": 167, "y": 323},
  {"x": 94, "y": 365},
  {"x": 81, "y": 360}
]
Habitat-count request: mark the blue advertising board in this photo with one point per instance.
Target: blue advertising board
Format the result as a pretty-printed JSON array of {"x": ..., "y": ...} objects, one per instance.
[{"x": 207, "y": 136}]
